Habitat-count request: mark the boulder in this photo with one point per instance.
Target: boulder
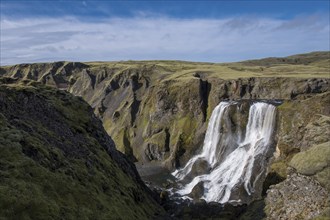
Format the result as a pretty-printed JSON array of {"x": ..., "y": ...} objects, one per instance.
[{"x": 314, "y": 162}]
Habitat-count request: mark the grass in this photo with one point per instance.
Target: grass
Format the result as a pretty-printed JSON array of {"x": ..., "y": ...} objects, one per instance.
[{"x": 315, "y": 64}]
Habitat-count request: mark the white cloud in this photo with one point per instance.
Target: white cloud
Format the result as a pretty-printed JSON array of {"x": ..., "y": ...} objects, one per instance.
[{"x": 230, "y": 39}]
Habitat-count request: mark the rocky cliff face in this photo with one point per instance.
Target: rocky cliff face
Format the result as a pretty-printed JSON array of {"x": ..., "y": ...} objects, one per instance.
[
  {"x": 57, "y": 162},
  {"x": 158, "y": 111}
]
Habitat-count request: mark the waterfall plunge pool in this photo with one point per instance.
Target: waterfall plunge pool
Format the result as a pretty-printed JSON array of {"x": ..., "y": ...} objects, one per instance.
[{"x": 238, "y": 143}]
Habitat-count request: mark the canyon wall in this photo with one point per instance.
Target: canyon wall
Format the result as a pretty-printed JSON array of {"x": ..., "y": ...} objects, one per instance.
[{"x": 159, "y": 111}]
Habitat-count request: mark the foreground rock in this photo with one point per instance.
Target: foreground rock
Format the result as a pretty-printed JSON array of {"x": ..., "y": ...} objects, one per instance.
[
  {"x": 57, "y": 162},
  {"x": 303, "y": 149},
  {"x": 298, "y": 197}
]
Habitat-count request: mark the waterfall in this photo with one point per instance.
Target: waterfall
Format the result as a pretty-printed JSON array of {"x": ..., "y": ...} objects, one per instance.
[{"x": 236, "y": 162}]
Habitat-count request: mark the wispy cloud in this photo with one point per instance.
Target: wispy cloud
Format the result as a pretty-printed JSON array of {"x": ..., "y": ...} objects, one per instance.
[{"x": 145, "y": 37}]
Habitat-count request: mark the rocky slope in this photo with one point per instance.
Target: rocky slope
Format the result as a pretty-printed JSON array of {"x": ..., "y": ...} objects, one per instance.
[
  {"x": 302, "y": 160},
  {"x": 57, "y": 162}
]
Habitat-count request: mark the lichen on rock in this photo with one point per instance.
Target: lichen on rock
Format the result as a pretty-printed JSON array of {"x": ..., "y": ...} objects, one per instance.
[{"x": 298, "y": 197}]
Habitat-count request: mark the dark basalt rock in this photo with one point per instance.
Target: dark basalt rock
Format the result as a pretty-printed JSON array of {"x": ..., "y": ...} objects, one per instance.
[
  {"x": 57, "y": 162},
  {"x": 200, "y": 167},
  {"x": 185, "y": 209},
  {"x": 198, "y": 191}
]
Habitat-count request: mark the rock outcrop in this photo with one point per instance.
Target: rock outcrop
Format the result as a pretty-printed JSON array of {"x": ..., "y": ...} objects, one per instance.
[
  {"x": 302, "y": 160},
  {"x": 57, "y": 161},
  {"x": 298, "y": 197}
]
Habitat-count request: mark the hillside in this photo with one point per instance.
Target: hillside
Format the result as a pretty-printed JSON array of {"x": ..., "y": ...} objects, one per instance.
[
  {"x": 57, "y": 162},
  {"x": 318, "y": 59}
]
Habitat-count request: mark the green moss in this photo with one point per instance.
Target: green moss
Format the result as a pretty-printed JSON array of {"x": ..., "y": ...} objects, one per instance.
[
  {"x": 280, "y": 168},
  {"x": 325, "y": 215},
  {"x": 158, "y": 139},
  {"x": 47, "y": 176},
  {"x": 321, "y": 218},
  {"x": 323, "y": 177},
  {"x": 313, "y": 160},
  {"x": 186, "y": 127},
  {"x": 73, "y": 110}
]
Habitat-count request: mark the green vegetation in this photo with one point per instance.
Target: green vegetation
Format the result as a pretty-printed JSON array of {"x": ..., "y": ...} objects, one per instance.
[
  {"x": 314, "y": 161},
  {"x": 308, "y": 65},
  {"x": 299, "y": 59},
  {"x": 279, "y": 167},
  {"x": 54, "y": 163}
]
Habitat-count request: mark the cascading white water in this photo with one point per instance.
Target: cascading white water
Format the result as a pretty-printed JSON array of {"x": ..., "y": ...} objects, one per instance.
[
  {"x": 236, "y": 168},
  {"x": 210, "y": 142}
]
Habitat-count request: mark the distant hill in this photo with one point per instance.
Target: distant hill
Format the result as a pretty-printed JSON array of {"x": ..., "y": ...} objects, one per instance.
[{"x": 320, "y": 59}]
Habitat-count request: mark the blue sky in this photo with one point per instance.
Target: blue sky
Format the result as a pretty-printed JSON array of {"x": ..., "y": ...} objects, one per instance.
[{"x": 214, "y": 31}]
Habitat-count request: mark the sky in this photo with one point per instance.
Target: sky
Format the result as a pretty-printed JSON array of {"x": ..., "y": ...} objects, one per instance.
[{"x": 206, "y": 31}]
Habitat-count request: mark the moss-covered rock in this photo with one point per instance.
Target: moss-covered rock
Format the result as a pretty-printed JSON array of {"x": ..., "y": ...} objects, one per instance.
[
  {"x": 57, "y": 162},
  {"x": 280, "y": 168},
  {"x": 323, "y": 177},
  {"x": 314, "y": 162}
]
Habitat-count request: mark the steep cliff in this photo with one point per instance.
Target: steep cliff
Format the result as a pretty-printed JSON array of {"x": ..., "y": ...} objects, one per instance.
[{"x": 57, "y": 162}]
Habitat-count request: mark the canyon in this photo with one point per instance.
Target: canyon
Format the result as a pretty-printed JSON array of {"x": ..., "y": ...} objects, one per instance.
[{"x": 158, "y": 112}]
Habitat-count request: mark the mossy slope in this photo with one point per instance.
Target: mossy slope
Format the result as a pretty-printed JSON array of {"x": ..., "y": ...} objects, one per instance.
[{"x": 57, "y": 162}]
